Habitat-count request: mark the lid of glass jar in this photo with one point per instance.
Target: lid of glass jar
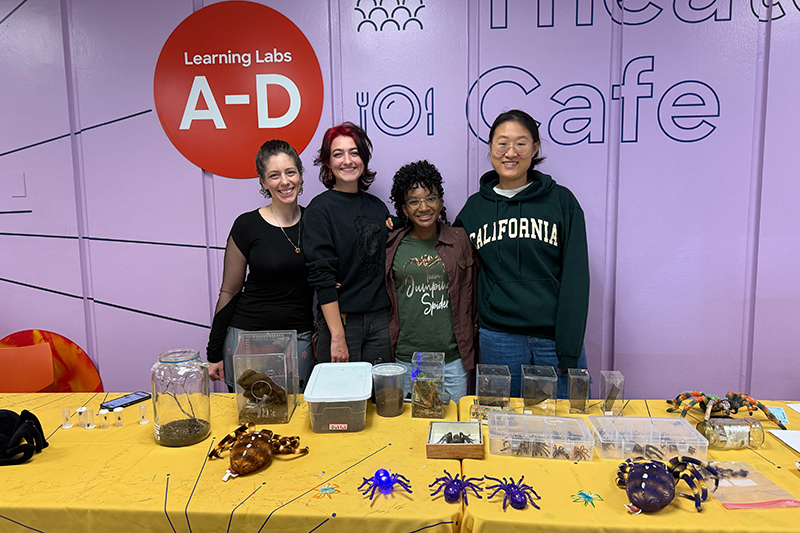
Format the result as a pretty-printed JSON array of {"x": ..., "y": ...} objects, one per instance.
[{"x": 181, "y": 355}]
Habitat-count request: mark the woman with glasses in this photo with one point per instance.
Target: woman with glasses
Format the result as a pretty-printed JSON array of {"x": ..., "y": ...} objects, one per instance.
[
  {"x": 344, "y": 241},
  {"x": 529, "y": 232},
  {"x": 430, "y": 276}
]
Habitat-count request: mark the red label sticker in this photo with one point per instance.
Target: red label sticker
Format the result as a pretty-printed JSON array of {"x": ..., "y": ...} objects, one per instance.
[
  {"x": 337, "y": 427},
  {"x": 231, "y": 76}
]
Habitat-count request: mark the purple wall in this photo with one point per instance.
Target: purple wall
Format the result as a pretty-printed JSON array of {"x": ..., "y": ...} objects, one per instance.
[{"x": 674, "y": 126}]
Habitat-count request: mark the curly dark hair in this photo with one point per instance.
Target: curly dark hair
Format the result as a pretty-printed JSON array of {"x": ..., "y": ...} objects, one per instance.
[
  {"x": 363, "y": 145},
  {"x": 411, "y": 176}
]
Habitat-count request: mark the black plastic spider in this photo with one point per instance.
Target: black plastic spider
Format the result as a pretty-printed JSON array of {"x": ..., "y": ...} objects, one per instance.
[
  {"x": 453, "y": 487},
  {"x": 16, "y": 428},
  {"x": 560, "y": 451},
  {"x": 517, "y": 494}
]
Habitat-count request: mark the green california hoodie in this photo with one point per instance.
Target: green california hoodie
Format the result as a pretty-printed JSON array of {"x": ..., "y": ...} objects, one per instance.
[{"x": 534, "y": 277}]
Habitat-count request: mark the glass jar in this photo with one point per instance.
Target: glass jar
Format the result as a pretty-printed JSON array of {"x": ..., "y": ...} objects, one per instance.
[
  {"x": 732, "y": 433},
  {"x": 181, "y": 398}
]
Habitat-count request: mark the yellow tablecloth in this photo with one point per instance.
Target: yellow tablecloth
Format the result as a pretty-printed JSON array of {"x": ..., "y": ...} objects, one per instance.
[
  {"x": 120, "y": 480},
  {"x": 557, "y": 480}
]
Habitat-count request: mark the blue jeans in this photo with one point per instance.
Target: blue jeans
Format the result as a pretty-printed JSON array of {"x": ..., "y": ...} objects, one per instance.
[
  {"x": 305, "y": 357},
  {"x": 516, "y": 350},
  {"x": 455, "y": 379}
]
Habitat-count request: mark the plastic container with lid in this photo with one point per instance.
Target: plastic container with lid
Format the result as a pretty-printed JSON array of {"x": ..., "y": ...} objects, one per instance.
[
  {"x": 337, "y": 395},
  {"x": 542, "y": 437},
  {"x": 651, "y": 438}
]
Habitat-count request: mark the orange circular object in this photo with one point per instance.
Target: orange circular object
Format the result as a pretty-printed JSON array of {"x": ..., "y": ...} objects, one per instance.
[{"x": 73, "y": 371}]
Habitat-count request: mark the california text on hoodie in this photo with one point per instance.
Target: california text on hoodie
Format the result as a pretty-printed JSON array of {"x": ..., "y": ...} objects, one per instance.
[{"x": 534, "y": 277}]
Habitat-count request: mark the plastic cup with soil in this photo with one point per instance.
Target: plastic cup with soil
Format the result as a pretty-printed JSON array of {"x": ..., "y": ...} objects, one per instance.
[{"x": 388, "y": 380}]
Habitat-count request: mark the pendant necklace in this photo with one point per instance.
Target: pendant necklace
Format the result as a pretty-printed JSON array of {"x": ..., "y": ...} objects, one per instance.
[{"x": 296, "y": 248}]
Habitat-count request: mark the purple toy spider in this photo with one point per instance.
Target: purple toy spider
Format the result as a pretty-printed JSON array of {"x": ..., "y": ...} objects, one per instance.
[
  {"x": 517, "y": 494},
  {"x": 385, "y": 482},
  {"x": 453, "y": 487}
]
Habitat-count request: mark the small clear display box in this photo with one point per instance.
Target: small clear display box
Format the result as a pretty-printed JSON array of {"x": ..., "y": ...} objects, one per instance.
[
  {"x": 267, "y": 380},
  {"x": 651, "y": 438},
  {"x": 539, "y": 389},
  {"x": 337, "y": 395},
  {"x": 493, "y": 385},
  {"x": 543, "y": 437}
]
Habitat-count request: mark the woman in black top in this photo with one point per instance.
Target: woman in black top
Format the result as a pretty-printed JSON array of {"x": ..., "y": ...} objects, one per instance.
[
  {"x": 275, "y": 294},
  {"x": 344, "y": 240}
]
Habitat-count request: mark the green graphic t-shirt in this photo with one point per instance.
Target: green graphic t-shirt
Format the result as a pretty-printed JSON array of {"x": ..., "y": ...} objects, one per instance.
[{"x": 423, "y": 301}]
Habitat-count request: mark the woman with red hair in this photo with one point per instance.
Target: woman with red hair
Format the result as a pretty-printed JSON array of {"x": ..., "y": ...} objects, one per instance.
[{"x": 344, "y": 241}]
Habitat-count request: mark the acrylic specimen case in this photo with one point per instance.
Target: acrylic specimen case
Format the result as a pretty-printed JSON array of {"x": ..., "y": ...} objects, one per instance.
[
  {"x": 266, "y": 374},
  {"x": 651, "y": 438},
  {"x": 543, "y": 437}
]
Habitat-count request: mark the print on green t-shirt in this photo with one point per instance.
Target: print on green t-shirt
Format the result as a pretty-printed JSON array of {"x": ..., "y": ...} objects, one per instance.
[{"x": 423, "y": 301}]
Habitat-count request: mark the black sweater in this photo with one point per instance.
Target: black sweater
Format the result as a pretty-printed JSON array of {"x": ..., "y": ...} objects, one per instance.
[{"x": 344, "y": 242}]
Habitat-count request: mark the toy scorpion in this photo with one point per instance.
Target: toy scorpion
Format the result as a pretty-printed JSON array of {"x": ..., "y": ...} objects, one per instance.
[{"x": 731, "y": 403}]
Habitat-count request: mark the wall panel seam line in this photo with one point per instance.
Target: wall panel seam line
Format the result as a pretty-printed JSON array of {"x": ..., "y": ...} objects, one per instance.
[
  {"x": 754, "y": 205},
  {"x": 608, "y": 359},
  {"x": 335, "y": 63},
  {"x": 79, "y": 184}
]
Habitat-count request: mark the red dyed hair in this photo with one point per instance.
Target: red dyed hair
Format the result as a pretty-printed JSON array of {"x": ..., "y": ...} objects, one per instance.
[{"x": 363, "y": 145}]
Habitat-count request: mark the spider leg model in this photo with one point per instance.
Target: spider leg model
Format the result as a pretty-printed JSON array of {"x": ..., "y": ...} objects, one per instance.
[
  {"x": 454, "y": 487},
  {"x": 384, "y": 482},
  {"x": 517, "y": 494},
  {"x": 650, "y": 485}
]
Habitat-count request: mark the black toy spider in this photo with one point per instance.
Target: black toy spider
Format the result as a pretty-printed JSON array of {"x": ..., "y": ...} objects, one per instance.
[
  {"x": 517, "y": 494},
  {"x": 21, "y": 436},
  {"x": 453, "y": 487},
  {"x": 385, "y": 482}
]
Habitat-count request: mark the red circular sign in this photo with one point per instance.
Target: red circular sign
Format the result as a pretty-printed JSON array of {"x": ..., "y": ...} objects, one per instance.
[{"x": 231, "y": 76}]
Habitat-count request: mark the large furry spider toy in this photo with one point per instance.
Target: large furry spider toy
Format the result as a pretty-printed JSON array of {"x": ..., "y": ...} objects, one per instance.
[
  {"x": 731, "y": 403},
  {"x": 21, "y": 436}
]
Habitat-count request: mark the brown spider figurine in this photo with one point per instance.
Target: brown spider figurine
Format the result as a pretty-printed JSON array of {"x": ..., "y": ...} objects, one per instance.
[
  {"x": 251, "y": 450},
  {"x": 580, "y": 453}
]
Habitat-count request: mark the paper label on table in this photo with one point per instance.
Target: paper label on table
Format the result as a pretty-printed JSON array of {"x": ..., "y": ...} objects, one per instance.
[
  {"x": 743, "y": 482},
  {"x": 791, "y": 437},
  {"x": 779, "y": 413},
  {"x": 795, "y": 406}
]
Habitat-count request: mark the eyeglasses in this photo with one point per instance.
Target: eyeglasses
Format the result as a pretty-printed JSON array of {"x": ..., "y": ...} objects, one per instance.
[
  {"x": 522, "y": 148},
  {"x": 414, "y": 203}
]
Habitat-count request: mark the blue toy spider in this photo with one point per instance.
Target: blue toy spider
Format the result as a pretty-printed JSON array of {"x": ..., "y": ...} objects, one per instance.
[
  {"x": 517, "y": 494},
  {"x": 385, "y": 482},
  {"x": 453, "y": 487}
]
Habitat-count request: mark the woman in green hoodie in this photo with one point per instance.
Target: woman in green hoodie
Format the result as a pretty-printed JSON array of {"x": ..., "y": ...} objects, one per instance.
[{"x": 533, "y": 285}]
